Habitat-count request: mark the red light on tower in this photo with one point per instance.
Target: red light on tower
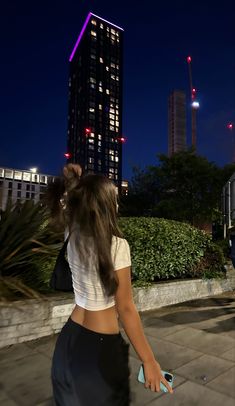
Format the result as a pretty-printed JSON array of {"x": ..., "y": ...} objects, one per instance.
[
  {"x": 189, "y": 59},
  {"x": 230, "y": 126},
  {"x": 67, "y": 155},
  {"x": 87, "y": 130}
]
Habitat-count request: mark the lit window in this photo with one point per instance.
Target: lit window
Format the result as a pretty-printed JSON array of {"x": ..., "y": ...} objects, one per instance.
[
  {"x": 116, "y": 158},
  {"x": 91, "y": 160},
  {"x": 91, "y": 141},
  {"x": 93, "y": 33},
  {"x": 117, "y": 112},
  {"x": 100, "y": 106},
  {"x": 117, "y": 33},
  {"x": 8, "y": 174},
  {"x": 92, "y": 80},
  {"x": 101, "y": 25},
  {"x": 117, "y": 66},
  {"x": 111, "y": 176},
  {"x": 100, "y": 89},
  {"x": 112, "y": 116},
  {"x": 117, "y": 78},
  {"x": 111, "y": 170},
  {"x": 112, "y": 110},
  {"x": 111, "y": 158},
  {"x": 99, "y": 137},
  {"x": 116, "y": 132},
  {"x": 112, "y": 122},
  {"x": 107, "y": 68},
  {"x": 93, "y": 56},
  {"x": 18, "y": 175},
  {"x": 113, "y": 37},
  {"x": 111, "y": 152},
  {"x": 101, "y": 60},
  {"x": 91, "y": 110},
  {"x": 112, "y": 65},
  {"x": 93, "y": 22},
  {"x": 92, "y": 135},
  {"x": 111, "y": 128},
  {"x": 99, "y": 149},
  {"x": 113, "y": 77},
  {"x": 107, "y": 91},
  {"x": 100, "y": 83},
  {"x": 113, "y": 31},
  {"x": 92, "y": 86},
  {"x": 99, "y": 143},
  {"x": 107, "y": 28},
  {"x": 90, "y": 146},
  {"x": 117, "y": 123}
]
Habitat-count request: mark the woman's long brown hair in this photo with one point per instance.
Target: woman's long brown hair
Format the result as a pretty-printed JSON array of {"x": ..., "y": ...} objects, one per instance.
[{"x": 91, "y": 210}]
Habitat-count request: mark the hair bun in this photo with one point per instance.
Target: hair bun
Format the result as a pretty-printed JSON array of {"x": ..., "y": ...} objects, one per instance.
[{"x": 72, "y": 174}]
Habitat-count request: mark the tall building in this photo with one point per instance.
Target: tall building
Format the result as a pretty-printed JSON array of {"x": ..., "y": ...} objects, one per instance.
[
  {"x": 94, "y": 137},
  {"x": 176, "y": 122},
  {"x": 21, "y": 185}
]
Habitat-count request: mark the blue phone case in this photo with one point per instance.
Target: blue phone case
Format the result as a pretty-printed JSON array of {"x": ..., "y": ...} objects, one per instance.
[{"x": 162, "y": 386}]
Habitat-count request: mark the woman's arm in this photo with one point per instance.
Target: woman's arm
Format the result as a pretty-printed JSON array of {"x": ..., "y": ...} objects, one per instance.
[{"x": 130, "y": 319}]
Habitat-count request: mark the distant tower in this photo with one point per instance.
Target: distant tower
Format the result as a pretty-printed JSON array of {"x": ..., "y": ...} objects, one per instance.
[
  {"x": 95, "y": 99},
  {"x": 176, "y": 122}
]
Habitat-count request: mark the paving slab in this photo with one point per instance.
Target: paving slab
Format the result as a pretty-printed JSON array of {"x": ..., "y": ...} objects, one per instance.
[
  {"x": 224, "y": 383},
  {"x": 204, "y": 369},
  {"x": 199, "y": 340},
  {"x": 193, "y": 394}
]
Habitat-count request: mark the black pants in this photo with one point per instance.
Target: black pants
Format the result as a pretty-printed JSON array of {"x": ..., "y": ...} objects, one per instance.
[{"x": 90, "y": 368}]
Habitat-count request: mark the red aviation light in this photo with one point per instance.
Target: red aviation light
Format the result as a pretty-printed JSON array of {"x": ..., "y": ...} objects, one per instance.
[
  {"x": 67, "y": 155},
  {"x": 189, "y": 59},
  {"x": 230, "y": 126}
]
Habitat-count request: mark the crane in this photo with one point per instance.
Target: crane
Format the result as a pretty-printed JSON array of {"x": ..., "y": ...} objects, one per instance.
[{"x": 194, "y": 103}]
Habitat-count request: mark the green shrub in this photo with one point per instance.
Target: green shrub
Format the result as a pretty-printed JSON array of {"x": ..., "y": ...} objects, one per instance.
[{"x": 165, "y": 249}]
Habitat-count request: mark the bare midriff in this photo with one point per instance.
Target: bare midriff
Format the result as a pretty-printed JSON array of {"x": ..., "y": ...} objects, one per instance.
[{"x": 101, "y": 321}]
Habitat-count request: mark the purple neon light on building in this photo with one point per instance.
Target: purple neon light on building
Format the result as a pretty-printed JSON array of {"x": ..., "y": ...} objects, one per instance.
[{"x": 83, "y": 29}]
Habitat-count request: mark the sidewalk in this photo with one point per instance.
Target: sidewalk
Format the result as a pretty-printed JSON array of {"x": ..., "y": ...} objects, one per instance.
[{"x": 195, "y": 340}]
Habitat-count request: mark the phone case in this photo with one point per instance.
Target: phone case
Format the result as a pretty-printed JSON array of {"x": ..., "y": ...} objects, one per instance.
[{"x": 141, "y": 378}]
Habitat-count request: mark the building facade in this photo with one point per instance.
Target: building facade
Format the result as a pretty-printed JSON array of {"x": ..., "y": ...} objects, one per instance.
[
  {"x": 176, "y": 122},
  {"x": 21, "y": 185},
  {"x": 94, "y": 138}
]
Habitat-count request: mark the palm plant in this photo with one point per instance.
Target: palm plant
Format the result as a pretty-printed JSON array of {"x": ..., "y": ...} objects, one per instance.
[{"x": 28, "y": 246}]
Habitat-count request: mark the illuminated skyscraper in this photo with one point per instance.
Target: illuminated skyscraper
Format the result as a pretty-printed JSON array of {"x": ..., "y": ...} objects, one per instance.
[
  {"x": 95, "y": 99},
  {"x": 176, "y": 122}
]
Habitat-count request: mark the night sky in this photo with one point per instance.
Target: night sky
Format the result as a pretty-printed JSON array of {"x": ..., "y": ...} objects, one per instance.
[{"x": 37, "y": 38}]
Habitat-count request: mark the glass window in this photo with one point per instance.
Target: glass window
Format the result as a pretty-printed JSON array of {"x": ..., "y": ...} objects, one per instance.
[
  {"x": 92, "y": 80},
  {"x": 9, "y": 193},
  {"x": 116, "y": 158},
  {"x": 111, "y": 152},
  {"x": 91, "y": 140},
  {"x": 92, "y": 135},
  {"x": 93, "y": 33},
  {"x": 93, "y": 22},
  {"x": 27, "y": 176},
  {"x": 1, "y": 172},
  {"x": 27, "y": 187},
  {"x": 33, "y": 188},
  {"x": 99, "y": 137},
  {"x": 8, "y": 174},
  {"x": 101, "y": 60},
  {"x": 27, "y": 195},
  {"x": 100, "y": 89},
  {"x": 93, "y": 56},
  {"x": 92, "y": 86},
  {"x": 100, "y": 106},
  {"x": 107, "y": 91},
  {"x": 91, "y": 160},
  {"x": 113, "y": 31},
  {"x": 99, "y": 143},
  {"x": 101, "y": 25},
  {"x": 111, "y": 122},
  {"x": 32, "y": 195},
  {"x": 90, "y": 146},
  {"x": 107, "y": 68},
  {"x": 35, "y": 178},
  {"x": 112, "y": 65},
  {"x": 10, "y": 185},
  {"x": 43, "y": 178},
  {"x": 91, "y": 109},
  {"x": 112, "y": 116},
  {"x": 18, "y": 175},
  {"x": 19, "y": 185},
  {"x": 19, "y": 193}
]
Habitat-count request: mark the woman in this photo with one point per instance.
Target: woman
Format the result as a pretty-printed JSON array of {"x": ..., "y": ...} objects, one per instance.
[{"x": 90, "y": 361}]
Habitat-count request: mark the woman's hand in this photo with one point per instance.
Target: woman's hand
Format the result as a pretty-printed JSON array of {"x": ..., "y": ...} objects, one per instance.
[{"x": 153, "y": 376}]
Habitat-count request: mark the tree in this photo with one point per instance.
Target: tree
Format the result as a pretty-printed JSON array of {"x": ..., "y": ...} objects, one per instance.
[{"x": 185, "y": 187}]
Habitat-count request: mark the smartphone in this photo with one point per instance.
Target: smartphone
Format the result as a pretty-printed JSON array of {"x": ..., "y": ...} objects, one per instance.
[{"x": 167, "y": 375}]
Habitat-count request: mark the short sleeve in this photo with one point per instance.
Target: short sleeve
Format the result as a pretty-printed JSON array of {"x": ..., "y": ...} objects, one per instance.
[{"x": 121, "y": 254}]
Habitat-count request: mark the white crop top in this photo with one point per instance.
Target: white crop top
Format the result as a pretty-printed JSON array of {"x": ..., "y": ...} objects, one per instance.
[{"x": 86, "y": 281}]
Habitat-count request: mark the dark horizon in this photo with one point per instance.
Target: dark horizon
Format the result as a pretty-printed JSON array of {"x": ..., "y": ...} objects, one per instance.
[{"x": 38, "y": 40}]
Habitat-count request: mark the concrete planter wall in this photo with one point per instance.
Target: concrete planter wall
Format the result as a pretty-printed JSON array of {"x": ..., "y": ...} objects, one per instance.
[{"x": 30, "y": 319}]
